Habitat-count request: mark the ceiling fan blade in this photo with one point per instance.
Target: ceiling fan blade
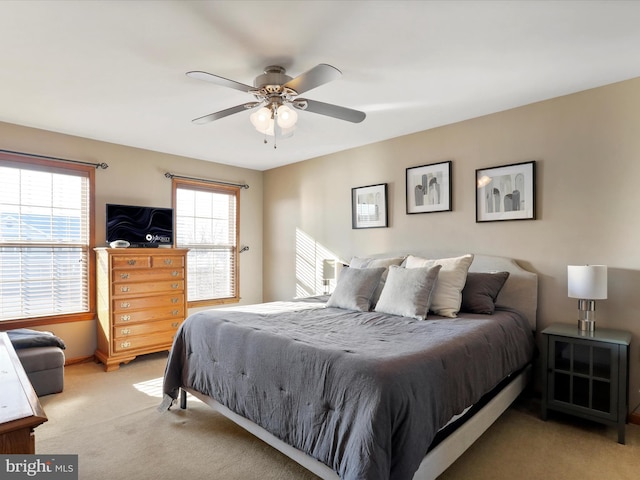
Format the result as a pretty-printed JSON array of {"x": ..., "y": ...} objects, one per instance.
[
  {"x": 225, "y": 82},
  {"x": 335, "y": 111},
  {"x": 318, "y": 75},
  {"x": 225, "y": 113}
]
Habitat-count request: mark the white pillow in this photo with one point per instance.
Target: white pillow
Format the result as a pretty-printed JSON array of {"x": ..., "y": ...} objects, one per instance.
[
  {"x": 407, "y": 291},
  {"x": 447, "y": 295}
]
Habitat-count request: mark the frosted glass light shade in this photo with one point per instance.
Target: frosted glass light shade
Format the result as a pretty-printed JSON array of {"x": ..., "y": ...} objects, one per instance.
[
  {"x": 262, "y": 120},
  {"x": 287, "y": 117},
  {"x": 587, "y": 282}
]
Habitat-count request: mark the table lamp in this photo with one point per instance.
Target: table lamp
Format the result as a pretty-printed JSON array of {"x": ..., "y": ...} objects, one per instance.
[
  {"x": 328, "y": 274},
  {"x": 587, "y": 283}
]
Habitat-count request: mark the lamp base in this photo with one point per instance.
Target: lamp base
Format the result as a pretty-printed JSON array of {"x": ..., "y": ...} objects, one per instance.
[
  {"x": 587, "y": 325},
  {"x": 586, "y": 315}
]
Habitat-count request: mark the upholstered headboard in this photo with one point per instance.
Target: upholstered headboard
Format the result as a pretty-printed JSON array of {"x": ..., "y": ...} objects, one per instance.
[
  {"x": 519, "y": 292},
  {"x": 521, "y": 289}
]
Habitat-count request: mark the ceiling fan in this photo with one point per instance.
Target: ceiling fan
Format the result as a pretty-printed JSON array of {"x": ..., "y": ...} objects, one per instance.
[{"x": 275, "y": 92}]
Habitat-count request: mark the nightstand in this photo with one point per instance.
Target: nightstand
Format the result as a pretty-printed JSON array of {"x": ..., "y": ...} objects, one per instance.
[{"x": 586, "y": 374}]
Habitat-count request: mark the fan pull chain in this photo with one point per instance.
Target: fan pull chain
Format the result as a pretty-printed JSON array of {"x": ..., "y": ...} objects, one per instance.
[{"x": 275, "y": 128}]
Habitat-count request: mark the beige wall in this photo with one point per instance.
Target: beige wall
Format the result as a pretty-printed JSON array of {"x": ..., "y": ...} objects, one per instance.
[
  {"x": 136, "y": 177},
  {"x": 587, "y": 149}
]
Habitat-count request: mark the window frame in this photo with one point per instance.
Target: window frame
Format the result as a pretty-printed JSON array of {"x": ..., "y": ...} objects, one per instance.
[
  {"x": 50, "y": 165},
  {"x": 209, "y": 186}
]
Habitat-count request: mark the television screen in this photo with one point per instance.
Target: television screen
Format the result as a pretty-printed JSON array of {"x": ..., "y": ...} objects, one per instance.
[{"x": 140, "y": 226}]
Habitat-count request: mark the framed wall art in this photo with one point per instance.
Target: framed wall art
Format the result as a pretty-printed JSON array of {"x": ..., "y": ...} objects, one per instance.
[
  {"x": 369, "y": 206},
  {"x": 507, "y": 192},
  {"x": 429, "y": 188}
]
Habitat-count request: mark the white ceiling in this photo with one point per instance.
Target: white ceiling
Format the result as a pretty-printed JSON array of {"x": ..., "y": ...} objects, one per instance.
[{"x": 115, "y": 70}]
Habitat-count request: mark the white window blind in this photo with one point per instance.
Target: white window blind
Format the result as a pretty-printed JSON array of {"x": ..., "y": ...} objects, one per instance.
[
  {"x": 44, "y": 241},
  {"x": 206, "y": 224}
]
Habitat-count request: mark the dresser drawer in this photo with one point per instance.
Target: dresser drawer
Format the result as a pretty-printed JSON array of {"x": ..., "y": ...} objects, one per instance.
[
  {"x": 128, "y": 304},
  {"x": 172, "y": 312},
  {"x": 131, "y": 343},
  {"x": 131, "y": 261},
  {"x": 123, "y": 331},
  {"x": 120, "y": 289},
  {"x": 153, "y": 275},
  {"x": 167, "y": 261}
]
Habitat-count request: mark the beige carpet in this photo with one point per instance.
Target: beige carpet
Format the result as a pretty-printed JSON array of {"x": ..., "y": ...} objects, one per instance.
[{"x": 110, "y": 420}]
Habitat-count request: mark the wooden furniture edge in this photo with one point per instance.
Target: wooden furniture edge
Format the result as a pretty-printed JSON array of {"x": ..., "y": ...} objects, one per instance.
[
  {"x": 19, "y": 431},
  {"x": 38, "y": 411}
]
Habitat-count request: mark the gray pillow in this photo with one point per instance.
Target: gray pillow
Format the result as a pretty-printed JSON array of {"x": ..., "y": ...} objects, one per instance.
[
  {"x": 481, "y": 290},
  {"x": 355, "y": 288},
  {"x": 407, "y": 291},
  {"x": 371, "y": 262}
]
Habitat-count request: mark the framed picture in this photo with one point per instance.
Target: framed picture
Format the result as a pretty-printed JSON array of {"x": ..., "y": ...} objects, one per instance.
[
  {"x": 369, "y": 206},
  {"x": 429, "y": 188},
  {"x": 506, "y": 193}
]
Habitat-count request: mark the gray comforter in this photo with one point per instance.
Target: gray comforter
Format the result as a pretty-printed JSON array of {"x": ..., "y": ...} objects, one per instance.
[{"x": 365, "y": 393}]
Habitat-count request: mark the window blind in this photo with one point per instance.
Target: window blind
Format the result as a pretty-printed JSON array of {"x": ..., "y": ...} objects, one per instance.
[
  {"x": 44, "y": 240},
  {"x": 206, "y": 224}
]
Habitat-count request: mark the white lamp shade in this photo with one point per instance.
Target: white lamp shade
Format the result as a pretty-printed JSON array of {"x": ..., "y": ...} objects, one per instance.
[
  {"x": 328, "y": 269},
  {"x": 587, "y": 282}
]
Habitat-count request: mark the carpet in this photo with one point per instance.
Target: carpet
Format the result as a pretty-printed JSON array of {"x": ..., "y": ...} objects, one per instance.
[{"x": 111, "y": 421}]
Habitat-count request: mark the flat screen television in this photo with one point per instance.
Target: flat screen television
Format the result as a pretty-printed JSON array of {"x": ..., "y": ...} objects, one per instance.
[{"x": 140, "y": 226}]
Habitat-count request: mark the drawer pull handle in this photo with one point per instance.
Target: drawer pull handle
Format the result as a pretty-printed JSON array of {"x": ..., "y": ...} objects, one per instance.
[
  {"x": 131, "y": 261},
  {"x": 175, "y": 300},
  {"x": 175, "y": 285},
  {"x": 125, "y": 344},
  {"x": 175, "y": 312},
  {"x": 124, "y": 276},
  {"x": 168, "y": 261},
  {"x": 124, "y": 289},
  {"x": 175, "y": 273},
  {"x": 125, "y": 318},
  {"x": 175, "y": 324},
  {"x": 125, "y": 331},
  {"x": 125, "y": 305}
]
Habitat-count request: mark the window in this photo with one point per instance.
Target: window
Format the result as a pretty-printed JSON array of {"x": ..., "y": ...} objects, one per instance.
[
  {"x": 46, "y": 268},
  {"x": 207, "y": 224}
]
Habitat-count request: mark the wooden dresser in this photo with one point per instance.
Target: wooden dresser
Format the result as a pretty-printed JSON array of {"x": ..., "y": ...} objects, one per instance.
[
  {"x": 20, "y": 409},
  {"x": 142, "y": 300}
]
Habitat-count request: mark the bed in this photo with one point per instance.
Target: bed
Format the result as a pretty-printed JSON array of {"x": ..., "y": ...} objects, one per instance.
[{"x": 361, "y": 384}]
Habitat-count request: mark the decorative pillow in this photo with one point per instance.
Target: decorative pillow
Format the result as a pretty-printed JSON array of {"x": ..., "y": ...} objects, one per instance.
[
  {"x": 481, "y": 290},
  {"x": 358, "y": 262},
  {"x": 407, "y": 291},
  {"x": 447, "y": 295},
  {"x": 355, "y": 288}
]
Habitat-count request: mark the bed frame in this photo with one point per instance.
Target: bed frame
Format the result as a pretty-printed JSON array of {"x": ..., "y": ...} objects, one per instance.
[{"x": 521, "y": 292}]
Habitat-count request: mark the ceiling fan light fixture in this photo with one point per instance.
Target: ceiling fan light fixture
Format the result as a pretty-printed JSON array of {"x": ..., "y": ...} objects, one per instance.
[
  {"x": 270, "y": 129},
  {"x": 278, "y": 94},
  {"x": 262, "y": 119},
  {"x": 287, "y": 117}
]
